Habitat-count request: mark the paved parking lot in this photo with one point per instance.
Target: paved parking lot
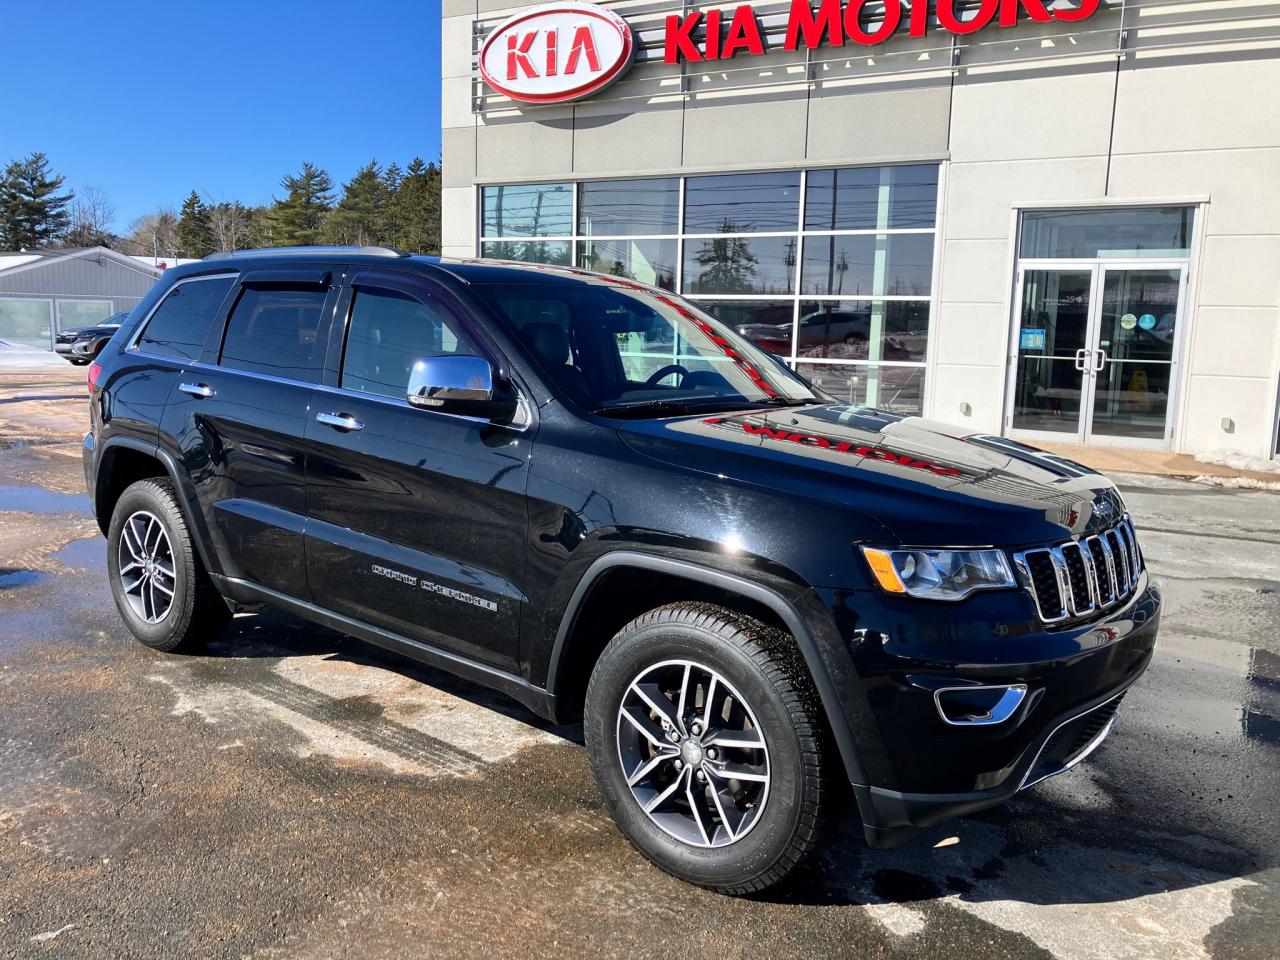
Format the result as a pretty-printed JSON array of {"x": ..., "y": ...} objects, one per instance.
[{"x": 291, "y": 792}]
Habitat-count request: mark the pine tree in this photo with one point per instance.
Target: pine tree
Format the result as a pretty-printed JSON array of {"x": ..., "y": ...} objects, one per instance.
[
  {"x": 299, "y": 219},
  {"x": 32, "y": 212},
  {"x": 195, "y": 235},
  {"x": 359, "y": 217},
  {"x": 418, "y": 208}
]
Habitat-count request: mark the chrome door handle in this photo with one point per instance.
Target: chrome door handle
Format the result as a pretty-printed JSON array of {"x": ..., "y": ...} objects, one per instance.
[
  {"x": 1080, "y": 358},
  {"x": 340, "y": 421},
  {"x": 197, "y": 389},
  {"x": 1101, "y": 360}
]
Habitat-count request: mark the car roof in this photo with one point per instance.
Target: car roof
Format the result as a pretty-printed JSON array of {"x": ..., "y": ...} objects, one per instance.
[{"x": 468, "y": 270}]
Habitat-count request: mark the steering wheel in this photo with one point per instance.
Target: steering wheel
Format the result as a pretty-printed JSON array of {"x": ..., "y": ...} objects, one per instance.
[{"x": 662, "y": 373}]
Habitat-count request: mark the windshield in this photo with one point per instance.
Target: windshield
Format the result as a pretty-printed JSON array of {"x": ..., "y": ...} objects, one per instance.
[{"x": 623, "y": 350}]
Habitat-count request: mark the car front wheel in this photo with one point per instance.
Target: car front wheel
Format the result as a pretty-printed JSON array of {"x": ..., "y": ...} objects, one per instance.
[{"x": 705, "y": 739}]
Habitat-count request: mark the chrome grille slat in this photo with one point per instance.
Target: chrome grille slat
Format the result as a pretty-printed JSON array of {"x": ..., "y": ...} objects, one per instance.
[{"x": 1076, "y": 578}]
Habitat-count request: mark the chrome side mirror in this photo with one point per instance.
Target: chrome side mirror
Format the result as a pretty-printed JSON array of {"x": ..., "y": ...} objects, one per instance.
[{"x": 458, "y": 383}]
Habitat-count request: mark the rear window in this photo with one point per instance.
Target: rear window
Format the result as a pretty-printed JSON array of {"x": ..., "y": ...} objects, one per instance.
[
  {"x": 274, "y": 332},
  {"x": 180, "y": 324}
]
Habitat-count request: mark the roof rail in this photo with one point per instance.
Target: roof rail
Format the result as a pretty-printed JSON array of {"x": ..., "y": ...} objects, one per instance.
[{"x": 308, "y": 251}]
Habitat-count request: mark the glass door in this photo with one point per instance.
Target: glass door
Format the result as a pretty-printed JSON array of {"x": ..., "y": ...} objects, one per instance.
[
  {"x": 1133, "y": 357},
  {"x": 1051, "y": 369},
  {"x": 1095, "y": 353}
]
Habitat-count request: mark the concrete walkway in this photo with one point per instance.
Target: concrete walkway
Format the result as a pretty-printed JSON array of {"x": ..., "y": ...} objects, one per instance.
[{"x": 1163, "y": 463}]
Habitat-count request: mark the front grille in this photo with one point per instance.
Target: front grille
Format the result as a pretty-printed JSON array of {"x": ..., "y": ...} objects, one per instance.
[{"x": 1072, "y": 580}]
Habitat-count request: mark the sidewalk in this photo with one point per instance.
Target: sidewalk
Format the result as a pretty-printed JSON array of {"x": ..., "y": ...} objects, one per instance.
[{"x": 1161, "y": 463}]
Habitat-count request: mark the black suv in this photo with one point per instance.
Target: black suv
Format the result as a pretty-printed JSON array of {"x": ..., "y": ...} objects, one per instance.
[{"x": 590, "y": 494}]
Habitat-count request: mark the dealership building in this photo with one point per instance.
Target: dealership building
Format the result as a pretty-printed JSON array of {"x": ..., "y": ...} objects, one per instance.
[{"x": 1053, "y": 220}]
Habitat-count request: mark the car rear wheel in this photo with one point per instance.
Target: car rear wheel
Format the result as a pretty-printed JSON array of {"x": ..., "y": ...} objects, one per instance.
[
  {"x": 706, "y": 741},
  {"x": 159, "y": 586}
]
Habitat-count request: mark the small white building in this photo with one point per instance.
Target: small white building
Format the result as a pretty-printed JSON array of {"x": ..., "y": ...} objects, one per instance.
[{"x": 1046, "y": 219}]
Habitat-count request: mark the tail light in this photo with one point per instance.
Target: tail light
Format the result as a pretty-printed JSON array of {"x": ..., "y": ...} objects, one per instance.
[{"x": 95, "y": 371}]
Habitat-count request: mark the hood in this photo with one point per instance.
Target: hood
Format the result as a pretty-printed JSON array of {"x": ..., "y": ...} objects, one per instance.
[{"x": 929, "y": 483}]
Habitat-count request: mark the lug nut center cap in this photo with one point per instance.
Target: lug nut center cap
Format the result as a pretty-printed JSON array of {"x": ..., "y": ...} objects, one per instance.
[{"x": 691, "y": 753}]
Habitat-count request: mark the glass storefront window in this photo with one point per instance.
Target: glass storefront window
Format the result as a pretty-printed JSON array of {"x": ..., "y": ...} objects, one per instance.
[
  {"x": 871, "y": 198},
  {"x": 720, "y": 265},
  {"x": 648, "y": 261},
  {"x": 742, "y": 203},
  {"x": 895, "y": 330},
  {"x": 896, "y": 389},
  {"x": 766, "y": 323},
  {"x": 868, "y": 265},
  {"x": 530, "y": 251},
  {"x": 1086, "y": 234},
  {"x": 73, "y": 314},
  {"x": 528, "y": 210},
  {"x": 626, "y": 208},
  {"x": 27, "y": 322}
]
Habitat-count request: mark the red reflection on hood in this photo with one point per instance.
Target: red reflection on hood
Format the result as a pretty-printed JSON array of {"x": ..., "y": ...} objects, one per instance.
[{"x": 829, "y": 443}]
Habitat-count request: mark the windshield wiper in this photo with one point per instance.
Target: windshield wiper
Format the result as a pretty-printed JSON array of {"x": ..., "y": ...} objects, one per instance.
[{"x": 673, "y": 406}]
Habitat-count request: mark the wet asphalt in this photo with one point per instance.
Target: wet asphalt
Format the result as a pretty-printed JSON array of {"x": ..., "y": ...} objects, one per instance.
[{"x": 291, "y": 792}]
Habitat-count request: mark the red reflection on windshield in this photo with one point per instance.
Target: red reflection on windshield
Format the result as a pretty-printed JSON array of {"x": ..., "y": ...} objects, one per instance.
[
  {"x": 839, "y": 446},
  {"x": 707, "y": 331}
]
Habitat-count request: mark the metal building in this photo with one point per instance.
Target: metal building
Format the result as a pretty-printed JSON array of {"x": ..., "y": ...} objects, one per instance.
[{"x": 46, "y": 291}]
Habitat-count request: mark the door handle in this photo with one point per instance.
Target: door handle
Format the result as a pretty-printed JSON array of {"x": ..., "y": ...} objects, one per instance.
[
  {"x": 340, "y": 421},
  {"x": 202, "y": 390},
  {"x": 1080, "y": 358},
  {"x": 1101, "y": 361}
]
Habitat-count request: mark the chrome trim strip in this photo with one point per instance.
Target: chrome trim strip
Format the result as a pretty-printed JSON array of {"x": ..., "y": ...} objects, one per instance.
[
  {"x": 1089, "y": 748},
  {"x": 137, "y": 334},
  {"x": 1124, "y": 565},
  {"x": 1064, "y": 580},
  {"x": 1029, "y": 584},
  {"x": 1006, "y": 706},
  {"x": 1110, "y": 560},
  {"x": 1076, "y": 607}
]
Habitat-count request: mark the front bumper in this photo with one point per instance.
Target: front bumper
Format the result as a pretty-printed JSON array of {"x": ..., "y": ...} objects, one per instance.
[{"x": 917, "y": 769}]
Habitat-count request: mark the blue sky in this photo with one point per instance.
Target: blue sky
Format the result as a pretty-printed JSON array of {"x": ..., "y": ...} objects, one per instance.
[{"x": 151, "y": 100}]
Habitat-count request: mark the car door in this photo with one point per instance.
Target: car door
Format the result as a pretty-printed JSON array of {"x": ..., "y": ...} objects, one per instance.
[
  {"x": 240, "y": 417},
  {"x": 416, "y": 518}
]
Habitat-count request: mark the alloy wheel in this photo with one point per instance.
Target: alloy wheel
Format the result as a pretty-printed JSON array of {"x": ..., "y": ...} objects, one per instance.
[
  {"x": 693, "y": 753},
  {"x": 147, "y": 571}
]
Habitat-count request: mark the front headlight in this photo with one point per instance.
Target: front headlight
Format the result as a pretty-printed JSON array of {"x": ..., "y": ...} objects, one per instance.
[{"x": 939, "y": 574}]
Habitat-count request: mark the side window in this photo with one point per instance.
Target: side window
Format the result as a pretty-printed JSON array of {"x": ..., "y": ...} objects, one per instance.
[
  {"x": 273, "y": 331},
  {"x": 388, "y": 334},
  {"x": 180, "y": 324}
]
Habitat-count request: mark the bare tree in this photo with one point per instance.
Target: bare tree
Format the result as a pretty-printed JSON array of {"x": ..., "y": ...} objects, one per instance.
[
  {"x": 155, "y": 235},
  {"x": 91, "y": 216},
  {"x": 229, "y": 223}
]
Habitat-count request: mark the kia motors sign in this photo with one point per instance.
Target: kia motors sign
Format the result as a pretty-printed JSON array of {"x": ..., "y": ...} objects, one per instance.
[{"x": 556, "y": 52}]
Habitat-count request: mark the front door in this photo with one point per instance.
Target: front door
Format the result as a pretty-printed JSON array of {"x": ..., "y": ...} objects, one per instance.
[
  {"x": 1095, "y": 352},
  {"x": 416, "y": 518}
]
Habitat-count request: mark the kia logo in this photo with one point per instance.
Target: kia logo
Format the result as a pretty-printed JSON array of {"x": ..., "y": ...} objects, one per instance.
[{"x": 556, "y": 52}]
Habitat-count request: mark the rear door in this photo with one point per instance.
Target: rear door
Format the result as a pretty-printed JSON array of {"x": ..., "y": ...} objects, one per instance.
[
  {"x": 416, "y": 518},
  {"x": 241, "y": 414}
]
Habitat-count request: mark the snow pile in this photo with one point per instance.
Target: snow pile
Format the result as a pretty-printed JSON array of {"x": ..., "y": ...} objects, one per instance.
[
  {"x": 1238, "y": 461},
  {"x": 1238, "y": 483},
  {"x": 20, "y": 355}
]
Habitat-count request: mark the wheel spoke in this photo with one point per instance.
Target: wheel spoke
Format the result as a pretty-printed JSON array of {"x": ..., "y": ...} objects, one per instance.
[
  {"x": 648, "y": 766},
  {"x": 724, "y": 803},
  {"x": 648, "y": 729},
  {"x": 130, "y": 567},
  {"x": 658, "y": 701},
  {"x": 130, "y": 537},
  {"x": 161, "y": 587},
  {"x": 735, "y": 739},
  {"x": 697, "y": 796},
  {"x": 684, "y": 690},
  {"x": 167, "y": 571},
  {"x": 737, "y": 771},
  {"x": 707, "y": 707},
  {"x": 662, "y": 798}
]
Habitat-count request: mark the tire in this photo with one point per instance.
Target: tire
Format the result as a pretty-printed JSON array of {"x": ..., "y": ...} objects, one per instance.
[
  {"x": 160, "y": 588},
  {"x": 761, "y": 831}
]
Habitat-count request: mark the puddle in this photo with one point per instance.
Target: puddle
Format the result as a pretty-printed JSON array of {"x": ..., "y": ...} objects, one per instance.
[
  {"x": 20, "y": 443},
  {"x": 88, "y": 553},
  {"x": 33, "y": 499},
  {"x": 9, "y": 579}
]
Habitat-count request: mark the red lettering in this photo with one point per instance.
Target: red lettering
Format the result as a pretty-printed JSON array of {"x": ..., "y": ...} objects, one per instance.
[
  {"x": 802, "y": 22},
  {"x": 518, "y": 57},
  {"x": 919, "y": 18},
  {"x": 1086, "y": 9},
  {"x": 769, "y": 432},
  {"x": 712, "y": 33},
  {"x": 584, "y": 43},
  {"x": 680, "y": 39},
  {"x": 552, "y": 39},
  {"x": 1009, "y": 11},
  {"x": 853, "y": 22},
  {"x": 744, "y": 31},
  {"x": 947, "y": 16}
]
